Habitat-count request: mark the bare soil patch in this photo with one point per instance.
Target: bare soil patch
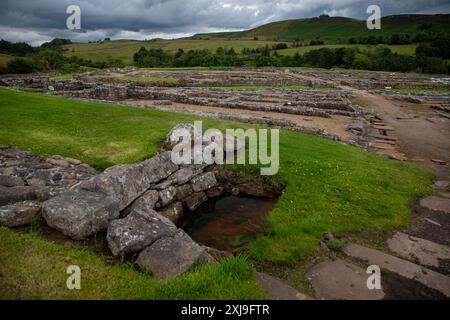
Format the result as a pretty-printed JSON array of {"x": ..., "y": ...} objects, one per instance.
[
  {"x": 423, "y": 135},
  {"x": 335, "y": 125}
]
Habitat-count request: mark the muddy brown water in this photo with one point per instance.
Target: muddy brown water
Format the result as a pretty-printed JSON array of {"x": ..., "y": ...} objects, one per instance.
[{"x": 228, "y": 223}]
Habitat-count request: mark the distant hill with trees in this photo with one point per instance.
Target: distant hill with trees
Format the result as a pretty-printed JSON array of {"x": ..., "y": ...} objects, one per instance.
[{"x": 342, "y": 29}]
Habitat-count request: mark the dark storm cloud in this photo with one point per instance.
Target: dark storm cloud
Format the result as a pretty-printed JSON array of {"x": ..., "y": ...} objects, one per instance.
[{"x": 38, "y": 21}]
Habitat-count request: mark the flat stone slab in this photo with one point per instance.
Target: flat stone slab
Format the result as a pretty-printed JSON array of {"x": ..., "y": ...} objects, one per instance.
[
  {"x": 136, "y": 231},
  {"x": 433, "y": 226},
  {"x": 276, "y": 289},
  {"x": 426, "y": 252},
  {"x": 128, "y": 182},
  {"x": 404, "y": 268},
  {"x": 79, "y": 214},
  {"x": 444, "y": 194},
  {"x": 341, "y": 280},
  {"x": 441, "y": 184},
  {"x": 435, "y": 203}
]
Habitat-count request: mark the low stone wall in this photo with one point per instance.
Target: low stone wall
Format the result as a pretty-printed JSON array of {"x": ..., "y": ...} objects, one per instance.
[
  {"x": 138, "y": 204},
  {"x": 27, "y": 180}
]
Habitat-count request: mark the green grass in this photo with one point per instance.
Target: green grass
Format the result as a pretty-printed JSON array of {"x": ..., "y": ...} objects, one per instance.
[
  {"x": 406, "y": 49},
  {"x": 335, "y": 29},
  {"x": 4, "y": 59},
  {"x": 62, "y": 77},
  {"x": 329, "y": 186},
  {"x": 139, "y": 79},
  {"x": 33, "y": 268},
  {"x": 124, "y": 49}
]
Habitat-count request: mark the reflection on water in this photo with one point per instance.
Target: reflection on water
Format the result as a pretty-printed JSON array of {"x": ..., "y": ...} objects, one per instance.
[{"x": 229, "y": 223}]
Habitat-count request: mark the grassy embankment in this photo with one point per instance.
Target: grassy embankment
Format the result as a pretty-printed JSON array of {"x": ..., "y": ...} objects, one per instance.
[{"x": 329, "y": 187}]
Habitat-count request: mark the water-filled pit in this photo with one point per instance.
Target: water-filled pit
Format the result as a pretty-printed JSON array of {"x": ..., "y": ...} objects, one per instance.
[{"x": 228, "y": 223}]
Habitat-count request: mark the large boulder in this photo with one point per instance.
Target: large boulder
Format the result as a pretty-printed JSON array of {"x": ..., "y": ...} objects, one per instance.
[
  {"x": 20, "y": 213},
  {"x": 137, "y": 231},
  {"x": 203, "y": 182},
  {"x": 127, "y": 182},
  {"x": 79, "y": 213},
  {"x": 172, "y": 256}
]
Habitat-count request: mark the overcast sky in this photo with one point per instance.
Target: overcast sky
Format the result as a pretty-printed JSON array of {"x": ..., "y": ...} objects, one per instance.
[{"x": 37, "y": 21}]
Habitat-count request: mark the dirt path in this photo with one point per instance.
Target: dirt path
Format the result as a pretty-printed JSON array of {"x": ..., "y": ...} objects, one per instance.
[
  {"x": 335, "y": 125},
  {"x": 422, "y": 134}
]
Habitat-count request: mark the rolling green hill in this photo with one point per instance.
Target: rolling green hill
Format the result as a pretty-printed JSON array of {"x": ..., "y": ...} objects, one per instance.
[{"x": 335, "y": 29}]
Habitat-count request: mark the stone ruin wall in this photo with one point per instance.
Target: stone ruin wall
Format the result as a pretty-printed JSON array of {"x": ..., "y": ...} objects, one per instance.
[{"x": 138, "y": 204}]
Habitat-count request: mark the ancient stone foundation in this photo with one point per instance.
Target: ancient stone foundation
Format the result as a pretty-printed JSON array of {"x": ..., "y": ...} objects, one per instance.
[{"x": 138, "y": 205}]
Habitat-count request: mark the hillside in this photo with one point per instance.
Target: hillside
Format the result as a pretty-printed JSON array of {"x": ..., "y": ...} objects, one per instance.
[
  {"x": 4, "y": 58},
  {"x": 124, "y": 49},
  {"x": 335, "y": 29}
]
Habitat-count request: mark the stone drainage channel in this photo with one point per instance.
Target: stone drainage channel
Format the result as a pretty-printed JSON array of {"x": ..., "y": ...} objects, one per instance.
[{"x": 143, "y": 208}]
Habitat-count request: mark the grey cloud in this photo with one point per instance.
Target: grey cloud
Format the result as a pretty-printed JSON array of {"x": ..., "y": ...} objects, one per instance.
[{"x": 38, "y": 21}]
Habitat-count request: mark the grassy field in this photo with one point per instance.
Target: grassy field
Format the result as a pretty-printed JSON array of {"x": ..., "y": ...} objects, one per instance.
[
  {"x": 406, "y": 49},
  {"x": 124, "y": 49},
  {"x": 62, "y": 77},
  {"x": 4, "y": 58},
  {"x": 33, "y": 268},
  {"x": 329, "y": 186}
]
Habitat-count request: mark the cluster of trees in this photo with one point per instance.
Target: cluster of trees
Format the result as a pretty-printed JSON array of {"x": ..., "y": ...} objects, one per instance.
[
  {"x": 432, "y": 57},
  {"x": 396, "y": 38},
  {"x": 193, "y": 58},
  {"x": 56, "y": 44},
  {"x": 429, "y": 58},
  {"x": 47, "y": 60},
  {"x": 47, "y": 57},
  {"x": 17, "y": 49}
]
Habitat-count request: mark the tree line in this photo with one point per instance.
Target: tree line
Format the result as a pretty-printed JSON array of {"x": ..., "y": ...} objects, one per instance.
[{"x": 429, "y": 58}]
